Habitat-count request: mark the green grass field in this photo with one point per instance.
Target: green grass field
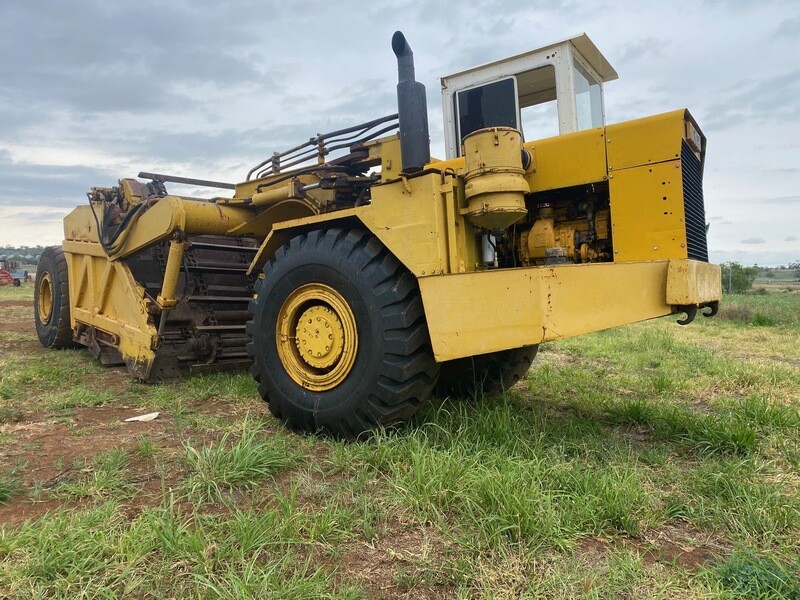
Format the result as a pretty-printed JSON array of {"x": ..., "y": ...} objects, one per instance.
[{"x": 651, "y": 460}]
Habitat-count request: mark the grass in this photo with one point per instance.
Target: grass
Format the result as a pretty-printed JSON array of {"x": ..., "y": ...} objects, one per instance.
[
  {"x": 104, "y": 477},
  {"x": 768, "y": 310},
  {"x": 748, "y": 575},
  {"x": 227, "y": 465},
  {"x": 646, "y": 461},
  {"x": 8, "y": 487}
]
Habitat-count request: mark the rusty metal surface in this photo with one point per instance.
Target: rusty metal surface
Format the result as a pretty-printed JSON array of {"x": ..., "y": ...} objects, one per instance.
[
  {"x": 205, "y": 330},
  {"x": 187, "y": 180},
  {"x": 320, "y": 146}
]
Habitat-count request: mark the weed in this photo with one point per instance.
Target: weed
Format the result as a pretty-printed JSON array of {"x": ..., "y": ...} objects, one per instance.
[
  {"x": 8, "y": 487},
  {"x": 9, "y": 414},
  {"x": 145, "y": 447},
  {"x": 225, "y": 465},
  {"x": 105, "y": 477},
  {"x": 747, "y": 574}
]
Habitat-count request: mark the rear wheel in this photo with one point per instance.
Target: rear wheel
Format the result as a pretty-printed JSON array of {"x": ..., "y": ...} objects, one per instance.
[
  {"x": 339, "y": 338},
  {"x": 51, "y": 300},
  {"x": 484, "y": 374}
]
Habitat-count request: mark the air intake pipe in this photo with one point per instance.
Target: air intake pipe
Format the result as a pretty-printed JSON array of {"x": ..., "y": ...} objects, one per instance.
[{"x": 412, "y": 109}]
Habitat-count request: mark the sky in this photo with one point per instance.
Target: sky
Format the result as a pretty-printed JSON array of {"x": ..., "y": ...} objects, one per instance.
[{"x": 93, "y": 91}]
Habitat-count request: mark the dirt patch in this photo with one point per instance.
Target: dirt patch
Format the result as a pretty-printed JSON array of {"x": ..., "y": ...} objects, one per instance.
[
  {"x": 395, "y": 565},
  {"x": 46, "y": 453},
  {"x": 669, "y": 546}
]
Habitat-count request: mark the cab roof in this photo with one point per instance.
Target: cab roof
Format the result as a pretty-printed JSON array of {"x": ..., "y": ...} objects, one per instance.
[{"x": 583, "y": 45}]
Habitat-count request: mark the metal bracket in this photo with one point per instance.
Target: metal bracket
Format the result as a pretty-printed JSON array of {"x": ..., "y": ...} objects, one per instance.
[{"x": 691, "y": 313}]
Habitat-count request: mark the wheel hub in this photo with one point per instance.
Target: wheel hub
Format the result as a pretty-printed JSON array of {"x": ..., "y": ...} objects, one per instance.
[
  {"x": 44, "y": 302},
  {"x": 316, "y": 337},
  {"x": 320, "y": 337}
]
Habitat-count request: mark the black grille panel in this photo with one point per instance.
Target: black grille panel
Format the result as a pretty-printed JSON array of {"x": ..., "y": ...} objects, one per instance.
[{"x": 694, "y": 208}]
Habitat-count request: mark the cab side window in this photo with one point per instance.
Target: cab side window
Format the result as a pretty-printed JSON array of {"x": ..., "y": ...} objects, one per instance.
[{"x": 490, "y": 105}]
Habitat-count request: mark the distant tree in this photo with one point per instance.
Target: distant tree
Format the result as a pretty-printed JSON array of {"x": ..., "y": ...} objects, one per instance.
[
  {"x": 795, "y": 266},
  {"x": 737, "y": 279}
]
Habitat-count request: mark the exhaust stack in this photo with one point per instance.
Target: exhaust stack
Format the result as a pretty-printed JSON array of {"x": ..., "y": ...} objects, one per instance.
[{"x": 412, "y": 109}]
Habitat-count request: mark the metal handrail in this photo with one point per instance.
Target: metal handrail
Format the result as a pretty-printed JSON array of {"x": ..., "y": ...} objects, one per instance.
[{"x": 316, "y": 147}]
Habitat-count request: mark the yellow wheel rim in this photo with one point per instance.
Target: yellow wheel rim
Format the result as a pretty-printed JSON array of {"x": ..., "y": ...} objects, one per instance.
[
  {"x": 44, "y": 303},
  {"x": 316, "y": 337}
]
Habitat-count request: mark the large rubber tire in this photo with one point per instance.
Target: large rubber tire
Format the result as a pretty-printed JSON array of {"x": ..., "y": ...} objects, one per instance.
[
  {"x": 54, "y": 329},
  {"x": 394, "y": 371},
  {"x": 477, "y": 376}
]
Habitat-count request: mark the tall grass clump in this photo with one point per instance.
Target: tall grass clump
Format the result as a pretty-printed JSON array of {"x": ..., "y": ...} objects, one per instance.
[
  {"x": 218, "y": 467},
  {"x": 8, "y": 487},
  {"x": 105, "y": 477},
  {"x": 747, "y": 574}
]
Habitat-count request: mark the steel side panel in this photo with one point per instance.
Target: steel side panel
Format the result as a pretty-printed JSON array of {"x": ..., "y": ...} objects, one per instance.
[
  {"x": 104, "y": 294},
  {"x": 411, "y": 222},
  {"x": 566, "y": 160},
  {"x": 476, "y": 313},
  {"x": 80, "y": 224},
  {"x": 647, "y": 212},
  {"x": 645, "y": 141}
]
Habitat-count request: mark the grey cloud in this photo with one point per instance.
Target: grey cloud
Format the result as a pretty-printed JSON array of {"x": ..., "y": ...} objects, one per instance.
[
  {"x": 765, "y": 258},
  {"x": 208, "y": 89},
  {"x": 644, "y": 48},
  {"x": 789, "y": 28},
  {"x": 771, "y": 99},
  {"x": 786, "y": 200},
  {"x": 792, "y": 238},
  {"x": 47, "y": 185},
  {"x": 93, "y": 57},
  {"x": 204, "y": 149},
  {"x": 36, "y": 216},
  {"x": 754, "y": 240},
  {"x": 720, "y": 221}
]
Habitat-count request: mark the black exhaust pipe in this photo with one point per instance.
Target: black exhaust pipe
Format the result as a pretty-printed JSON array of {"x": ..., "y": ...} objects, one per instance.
[{"x": 412, "y": 109}]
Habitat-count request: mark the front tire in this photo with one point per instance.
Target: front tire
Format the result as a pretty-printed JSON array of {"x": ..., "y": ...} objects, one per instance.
[
  {"x": 339, "y": 338},
  {"x": 51, "y": 300}
]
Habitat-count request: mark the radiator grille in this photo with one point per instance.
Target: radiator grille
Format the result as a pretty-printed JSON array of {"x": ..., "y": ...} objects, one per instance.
[{"x": 694, "y": 209}]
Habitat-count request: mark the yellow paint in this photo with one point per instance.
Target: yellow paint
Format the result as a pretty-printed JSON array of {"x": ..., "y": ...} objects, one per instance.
[
  {"x": 316, "y": 337},
  {"x": 572, "y": 159},
  {"x": 280, "y": 233},
  {"x": 386, "y": 151},
  {"x": 104, "y": 294},
  {"x": 494, "y": 185},
  {"x": 424, "y": 220},
  {"x": 166, "y": 299},
  {"x": 647, "y": 214},
  {"x": 192, "y": 217},
  {"x": 476, "y": 313},
  {"x": 645, "y": 141},
  {"x": 693, "y": 282},
  {"x": 45, "y": 298},
  {"x": 408, "y": 216}
]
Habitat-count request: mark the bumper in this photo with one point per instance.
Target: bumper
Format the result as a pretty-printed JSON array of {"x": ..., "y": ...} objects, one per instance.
[
  {"x": 476, "y": 313},
  {"x": 693, "y": 282}
]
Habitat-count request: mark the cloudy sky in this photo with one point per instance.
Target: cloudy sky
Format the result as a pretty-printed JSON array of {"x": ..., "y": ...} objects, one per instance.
[{"x": 91, "y": 91}]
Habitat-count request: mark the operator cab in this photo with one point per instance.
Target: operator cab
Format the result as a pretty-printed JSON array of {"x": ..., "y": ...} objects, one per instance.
[{"x": 549, "y": 91}]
